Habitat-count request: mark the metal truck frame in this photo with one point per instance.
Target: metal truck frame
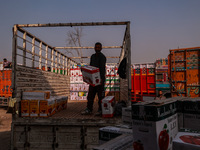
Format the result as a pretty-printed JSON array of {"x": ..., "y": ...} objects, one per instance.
[{"x": 45, "y": 68}]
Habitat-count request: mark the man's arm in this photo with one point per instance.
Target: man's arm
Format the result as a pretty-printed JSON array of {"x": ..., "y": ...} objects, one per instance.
[{"x": 102, "y": 67}]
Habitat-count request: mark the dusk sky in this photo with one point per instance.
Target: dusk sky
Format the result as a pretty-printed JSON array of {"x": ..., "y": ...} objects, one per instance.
[{"x": 156, "y": 25}]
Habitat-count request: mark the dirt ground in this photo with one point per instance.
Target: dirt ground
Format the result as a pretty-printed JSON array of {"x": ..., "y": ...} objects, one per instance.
[{"x": 5, "y": 129}]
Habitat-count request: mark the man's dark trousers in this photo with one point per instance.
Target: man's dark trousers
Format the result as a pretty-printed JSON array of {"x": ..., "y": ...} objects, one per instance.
[{"x": 99, "y": 89}]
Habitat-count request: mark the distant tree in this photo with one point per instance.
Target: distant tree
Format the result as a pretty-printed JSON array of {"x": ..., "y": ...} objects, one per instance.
[{"x": 74, "y": 39}]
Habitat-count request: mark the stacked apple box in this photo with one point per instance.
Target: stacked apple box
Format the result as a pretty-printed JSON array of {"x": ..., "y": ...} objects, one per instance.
[
  {"x": 108, "y": 104},
  {"x": 155, "y": 124},
  {"x": 187, "y": 139},
  {"x": 112, "y": 83},
  {"x": 119, "y": 143},
  {"x": 126, "y": 116},
  {"x": 191, "y": 113},
  {"x": 110, "y": 132},
  {"x": 78, "y": 88},
  {"x": 41, "y": 104}
]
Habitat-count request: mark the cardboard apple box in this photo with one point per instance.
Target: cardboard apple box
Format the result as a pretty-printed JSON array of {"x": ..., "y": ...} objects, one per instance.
[
  {"x": 107, "y": 104},
  {"x": 91, "y": 75},
  {"x": 155, "y": 124},
  {"x": 25, "y": 108},
  {"x": 187, "y": 140},
  {"x": 36, "y": 95},
  {"x": 191, "y": 113},
  {"x": 155, "y": 135},
  {"x": 47, "y": 107},
  {"x": 34, "y": 108}
]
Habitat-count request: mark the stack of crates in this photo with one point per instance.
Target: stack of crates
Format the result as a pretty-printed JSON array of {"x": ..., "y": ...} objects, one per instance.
[
  {"x": 78, "y": 88},
  {"x": 188, "y": 136},
  {"x": 155, "y": 124},
  {"x": 41, "y": 104},
  {"x": 112, "y": 83}
]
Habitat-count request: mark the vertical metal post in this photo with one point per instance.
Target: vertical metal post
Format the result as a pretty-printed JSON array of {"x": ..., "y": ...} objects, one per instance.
[
  {"x": 63, "y": 64},
  {"x": 52, "y": 54},
  {"x": 40, "y": 58},
  {"x": 59, "y": 58},
  {"x": 128, "y": 47},
  {"x": 56, "y": 61},
  {"x": 24, "y": 49},
  {"x": 66, "y": 66},
  {"x": 46, "y": 56},
  {"x": 33, "y": 52},
  {"x": 14, "y": 61}
]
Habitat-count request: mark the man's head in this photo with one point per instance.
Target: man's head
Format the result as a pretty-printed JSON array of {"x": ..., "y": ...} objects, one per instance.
[
  {"x": 160, "y": 93},
  {"x": 98, "y": 47},
  {"x": 5, "y": 60}
]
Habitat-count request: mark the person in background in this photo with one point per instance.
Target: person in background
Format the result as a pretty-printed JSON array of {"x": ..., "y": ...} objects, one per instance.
[
  {"x": 160, "y": 96},
  {"x": 6, "y": 63},
  {"x": 97, "y": 60}
]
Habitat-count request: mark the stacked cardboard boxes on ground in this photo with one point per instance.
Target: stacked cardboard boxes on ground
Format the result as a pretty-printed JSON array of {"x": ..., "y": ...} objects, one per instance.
[
  {"x": 155, "y": 124},
  {"x": 189, "y": 113},
  {"x": 41, "y": 104},
  {"x": 187, "y": 139},
  {"x": 170, "y": 124},
  {"x": 127, "y": 116}
]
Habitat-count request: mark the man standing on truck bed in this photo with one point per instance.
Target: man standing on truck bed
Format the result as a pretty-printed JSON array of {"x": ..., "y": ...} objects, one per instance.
[{"x": 97, "y": 60}]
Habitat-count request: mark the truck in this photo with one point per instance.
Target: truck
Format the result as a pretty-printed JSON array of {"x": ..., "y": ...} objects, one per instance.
[
  {"x": 37, "y": 65},
  {"x": 5, "y": 85}
]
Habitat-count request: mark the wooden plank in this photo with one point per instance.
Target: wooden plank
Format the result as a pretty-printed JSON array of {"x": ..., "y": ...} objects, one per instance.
[
  {"x": 73, "y": 24},
  {"x": 59, "y": 61},
  {"x": 89, "y": 57},
  {"x": 52, "y": 54},
  {"x": 33, "y": 52},
  {"x": 40, "y": 56},
  {"x": 46, "y": 58},
  {"x": 34, "y": 70},
  {"x": 23, "y": 84},
  {"x": 89, "y": 47},
  {"x": 63, "y": 65},
  {"x": 28, "y": 79},
  {"x": 24, "y": 49},
  {"x": 56, "y": 61}
]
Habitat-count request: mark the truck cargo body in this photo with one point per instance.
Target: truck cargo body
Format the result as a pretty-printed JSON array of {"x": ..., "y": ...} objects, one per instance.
[
  {"x": 5, "y": 86},
  {"x": 161, "y": 71},
  {"x": 143, "y": 81},
  {"x": 184, "y": 71},
  {"x": 45, "y": 68}
]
